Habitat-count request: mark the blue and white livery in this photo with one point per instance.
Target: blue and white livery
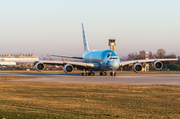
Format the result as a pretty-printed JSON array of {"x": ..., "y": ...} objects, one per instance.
[{"x": 100, "y": 60}]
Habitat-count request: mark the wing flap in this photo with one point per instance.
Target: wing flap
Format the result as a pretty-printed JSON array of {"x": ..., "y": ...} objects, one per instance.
[
  {"x": 67, "y": 56},
  {"x": 67, "y": 62}
]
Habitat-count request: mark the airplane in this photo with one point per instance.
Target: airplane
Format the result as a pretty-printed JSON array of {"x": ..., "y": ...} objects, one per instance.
[{"x": 99, "y": 60}]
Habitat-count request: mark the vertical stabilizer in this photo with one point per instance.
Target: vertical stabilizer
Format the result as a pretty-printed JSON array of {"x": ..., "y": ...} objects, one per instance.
[{"x": 86, "y": 47}]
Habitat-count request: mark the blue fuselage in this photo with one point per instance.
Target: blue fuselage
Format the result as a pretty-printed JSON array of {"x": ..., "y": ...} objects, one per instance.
[{"x": 103, "y": 59}]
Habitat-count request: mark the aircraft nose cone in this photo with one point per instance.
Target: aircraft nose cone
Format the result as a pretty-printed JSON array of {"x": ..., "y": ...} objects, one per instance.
[{"x": 114, "y": 64}]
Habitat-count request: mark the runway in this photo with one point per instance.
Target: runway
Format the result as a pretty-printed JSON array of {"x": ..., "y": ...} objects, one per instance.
[{"x": 139, "y": 79}]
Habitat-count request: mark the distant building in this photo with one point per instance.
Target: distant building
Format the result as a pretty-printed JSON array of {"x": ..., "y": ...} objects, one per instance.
[{"x": 4, "y": 57}]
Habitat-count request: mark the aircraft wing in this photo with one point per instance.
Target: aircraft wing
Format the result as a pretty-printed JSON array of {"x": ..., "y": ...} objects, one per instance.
[
  {"x": 67, "y": 62},
  {"x": 19, "y": 61},
  {"x": 53, "y": 62},
  {"x": 67, "y": 56},
  {"x": 146, "y": 61}
]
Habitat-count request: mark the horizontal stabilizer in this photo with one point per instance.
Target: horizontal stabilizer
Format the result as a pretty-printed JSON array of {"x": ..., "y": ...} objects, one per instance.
[{"x": 67, "y": 56}]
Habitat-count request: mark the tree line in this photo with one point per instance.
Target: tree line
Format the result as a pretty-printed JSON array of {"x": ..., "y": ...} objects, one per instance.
[{"x": 161, "y": 53}]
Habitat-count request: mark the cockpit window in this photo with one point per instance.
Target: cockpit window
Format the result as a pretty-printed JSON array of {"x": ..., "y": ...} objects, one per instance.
[
  {"x": 108, "y": 56},
  {"x": 113, "y": 58}
]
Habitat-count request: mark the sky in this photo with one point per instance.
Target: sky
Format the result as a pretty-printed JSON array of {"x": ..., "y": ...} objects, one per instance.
[{"x": 54, "y": 26}]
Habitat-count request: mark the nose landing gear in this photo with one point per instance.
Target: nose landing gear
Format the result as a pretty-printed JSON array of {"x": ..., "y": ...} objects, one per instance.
[{"x": 113, "y": 73}]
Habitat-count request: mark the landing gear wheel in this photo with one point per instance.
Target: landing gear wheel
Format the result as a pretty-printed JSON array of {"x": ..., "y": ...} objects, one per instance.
[
  {"x": 113, "y": 73},
  {"x": 104, "y": 74},
  {"x": 84, "y": 74},
  {"x": 92, "y": 73}
]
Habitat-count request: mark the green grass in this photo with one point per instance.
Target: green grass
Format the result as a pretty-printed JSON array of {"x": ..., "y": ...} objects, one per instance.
[{"x": 37, "y": 100}]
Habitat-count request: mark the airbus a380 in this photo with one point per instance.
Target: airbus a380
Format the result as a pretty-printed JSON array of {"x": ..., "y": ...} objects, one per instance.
[{"x": 99, "y": 60}]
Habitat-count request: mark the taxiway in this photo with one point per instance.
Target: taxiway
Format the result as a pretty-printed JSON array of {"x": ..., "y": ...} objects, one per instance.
[{"x": 139, "y": 79}]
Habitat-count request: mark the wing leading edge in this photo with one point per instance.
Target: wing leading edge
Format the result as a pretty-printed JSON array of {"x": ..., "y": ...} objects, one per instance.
[{"x": 146, "y": 61}]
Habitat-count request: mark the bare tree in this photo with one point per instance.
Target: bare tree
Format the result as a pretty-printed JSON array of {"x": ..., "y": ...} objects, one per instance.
[
  {"x": 161, "y": 53},
  {"x": 131, "y": 56},
  {"x": 141, "y": 54},
  {"x": 172, "y": 55},
  {"x": 151, "y": 55}
]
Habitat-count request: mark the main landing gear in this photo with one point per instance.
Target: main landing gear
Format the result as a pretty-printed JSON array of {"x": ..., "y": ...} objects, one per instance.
[
  {"x": 103, "y": 74},
  {"x": 88, "y": 74},
  {"x": 91, "y": 74},
  {"x": 113, "y": 73}
]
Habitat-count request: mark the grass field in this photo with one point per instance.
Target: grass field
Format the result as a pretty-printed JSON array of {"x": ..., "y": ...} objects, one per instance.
[{"x": 37, "y": 100}]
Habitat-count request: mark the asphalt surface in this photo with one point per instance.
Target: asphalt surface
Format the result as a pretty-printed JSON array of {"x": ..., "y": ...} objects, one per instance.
[{"x": 139, "y": 79}]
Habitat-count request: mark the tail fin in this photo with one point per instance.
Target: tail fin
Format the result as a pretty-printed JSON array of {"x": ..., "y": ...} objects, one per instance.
[{"x": 86, "y": 47}]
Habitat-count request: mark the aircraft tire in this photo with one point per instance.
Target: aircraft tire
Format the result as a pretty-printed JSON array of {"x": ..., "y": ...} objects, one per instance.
[
  {"x": 92, "y": 73},
  {"x": 101, "y": 73},
  {"x": 111, "y": 73},
  {"x": 104, "y": 74},
  {"x": 84, "y": 74}
]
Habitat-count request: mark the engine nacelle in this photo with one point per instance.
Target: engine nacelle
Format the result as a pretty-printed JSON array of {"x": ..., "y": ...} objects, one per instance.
[
  {"x": 39, "y": 66},
  {"x": 68, "y": 68},
  {"x": 137, "y": 67},
  {"x": 157, "y": 65}
]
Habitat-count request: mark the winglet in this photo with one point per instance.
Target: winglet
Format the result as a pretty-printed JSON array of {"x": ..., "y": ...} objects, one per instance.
[{"x": 86, "y": 47}]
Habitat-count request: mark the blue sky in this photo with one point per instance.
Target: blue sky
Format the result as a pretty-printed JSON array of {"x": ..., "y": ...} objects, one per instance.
[{"x": 54, "y": 27}]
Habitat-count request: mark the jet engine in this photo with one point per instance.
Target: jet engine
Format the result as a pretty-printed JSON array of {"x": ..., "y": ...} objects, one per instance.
[
  {"x": 157, "y": 65},
  {"x": 39, "y": 66},
  {"x": 137, "y": 67},
  {"x": 68, "y": 68}
]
